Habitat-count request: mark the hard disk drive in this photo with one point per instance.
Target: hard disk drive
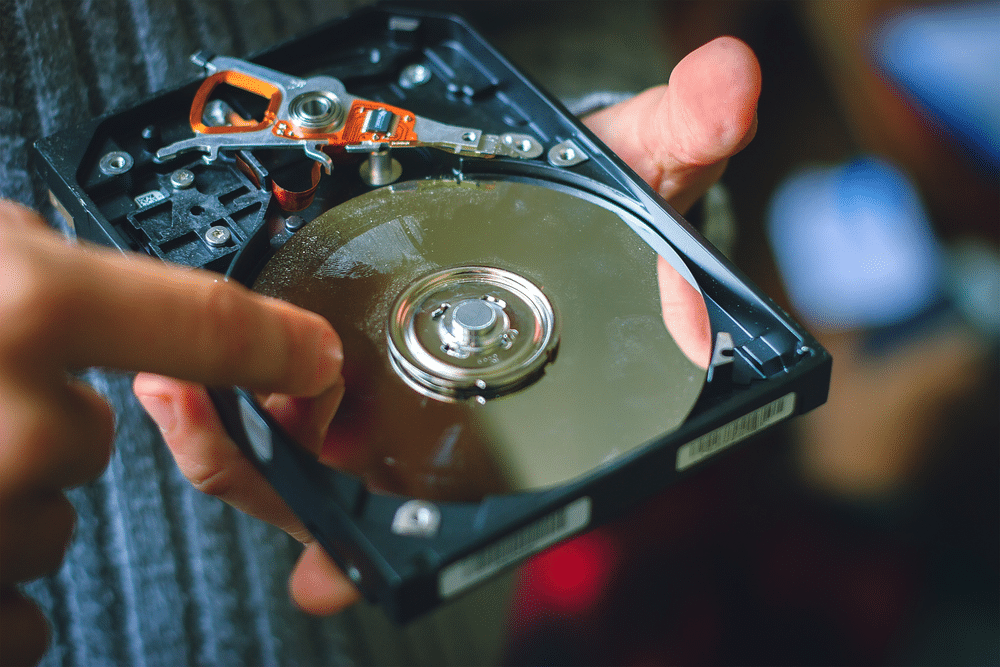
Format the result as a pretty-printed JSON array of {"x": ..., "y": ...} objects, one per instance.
[{"x": 533, "y": 339}]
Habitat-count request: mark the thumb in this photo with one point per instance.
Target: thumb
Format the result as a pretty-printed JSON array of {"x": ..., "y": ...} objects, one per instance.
[{"x": 678, "y": 137}]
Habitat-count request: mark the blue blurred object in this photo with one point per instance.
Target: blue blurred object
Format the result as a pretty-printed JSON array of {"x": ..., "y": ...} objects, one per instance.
[
  {"x": 947, "y": 58},
  {"x": 854, "y": 246}
]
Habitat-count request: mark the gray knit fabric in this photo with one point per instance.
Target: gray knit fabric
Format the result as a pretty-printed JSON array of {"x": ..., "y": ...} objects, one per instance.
[{"x": 157, "y": 574}]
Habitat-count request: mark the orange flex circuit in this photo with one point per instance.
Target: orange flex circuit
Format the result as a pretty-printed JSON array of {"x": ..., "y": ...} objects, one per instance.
[
  {"x": 243, "y": 82},
  {"x": 366, "y": 121}
]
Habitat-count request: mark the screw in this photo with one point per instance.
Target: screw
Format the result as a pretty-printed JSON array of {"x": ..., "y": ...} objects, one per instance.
[
  {"x": 181, "y": 179},
  {"x": 294, "y": 223},
  {"x": 414, "y": 75},
  {"x": 216, "y": 114},
  {"x": 218, "y": 236},
  {"x": 417, "y": 518}
]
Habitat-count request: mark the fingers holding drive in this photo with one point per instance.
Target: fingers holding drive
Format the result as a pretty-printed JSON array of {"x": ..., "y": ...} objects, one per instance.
[{"x": 212, "y": 462}]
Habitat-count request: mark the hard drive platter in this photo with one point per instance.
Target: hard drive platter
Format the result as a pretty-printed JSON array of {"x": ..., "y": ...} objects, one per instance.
[
  {"x": 610, "y": 379},
  {"x": 534, "y": 340}
]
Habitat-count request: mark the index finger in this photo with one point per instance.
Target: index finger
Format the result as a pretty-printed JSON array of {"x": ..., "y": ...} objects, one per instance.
[{"x": 136, "y": 313}]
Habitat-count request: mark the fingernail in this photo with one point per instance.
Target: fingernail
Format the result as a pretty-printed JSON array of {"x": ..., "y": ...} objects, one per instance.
[{"x": 161, "y": 409}]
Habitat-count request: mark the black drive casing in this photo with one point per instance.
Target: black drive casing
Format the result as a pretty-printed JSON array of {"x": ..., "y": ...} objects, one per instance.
[{"x": 773, "y": 369}]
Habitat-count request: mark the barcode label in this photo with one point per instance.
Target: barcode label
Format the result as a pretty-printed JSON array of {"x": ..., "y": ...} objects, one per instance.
[
  {"x": 148, "y": 198},
  {"x": 531, "y": 539},
  {"x": 739, "y": 429}
]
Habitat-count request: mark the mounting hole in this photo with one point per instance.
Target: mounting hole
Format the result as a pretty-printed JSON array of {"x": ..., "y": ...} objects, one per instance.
[
  {"x": 115, "y": 163},
  {"x": 197, "y": 210}
]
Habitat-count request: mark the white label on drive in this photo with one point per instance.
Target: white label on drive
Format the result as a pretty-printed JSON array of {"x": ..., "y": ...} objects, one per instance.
[
  {"x": 149, "y": 198},
  {"x": 739, "y": 429},
  {"x": 534, "y": 537}
]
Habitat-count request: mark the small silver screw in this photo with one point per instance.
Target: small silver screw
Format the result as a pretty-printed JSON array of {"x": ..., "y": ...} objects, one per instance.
[
  {"x": 294, "y": 223},
  {"x": 181, "y": 179},
  {"x": 414, "y": 75},
  {"x": 218, "y": 236},
  {"x": 216, "y": 114},
  {"x": 417, "y": 518},
  {"x": 507, "y": 339}
]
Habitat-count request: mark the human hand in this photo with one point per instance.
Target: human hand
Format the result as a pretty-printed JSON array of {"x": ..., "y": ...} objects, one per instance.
[
  {"x": 66, "y": 307},
  {"x": 677, "y": 137}
]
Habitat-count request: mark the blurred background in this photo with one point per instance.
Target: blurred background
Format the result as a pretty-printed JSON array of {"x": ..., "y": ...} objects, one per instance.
[{"x": 869, "y": 206}]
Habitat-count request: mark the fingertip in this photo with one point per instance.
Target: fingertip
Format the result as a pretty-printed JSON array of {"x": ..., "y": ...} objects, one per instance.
[
  {"x": 307, "y": 376},
  {"x": 727, "y": 58},
  {"x": 317, "y": 586},
  {"x": 168, "y": 401},
  {"x": 712, "y": 101},
  {"x": 146, "y": 384}
]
